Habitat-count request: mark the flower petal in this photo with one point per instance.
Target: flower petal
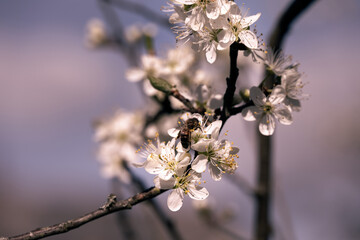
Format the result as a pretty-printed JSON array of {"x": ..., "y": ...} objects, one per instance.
[
  {"x": 247, "y": 21},
  {"x": 135, "y": 74},
  {"x": 199, "y": 163},
  {"x": 251, "y": 113},
  {"x": 175, "y": 200},
  {"x": 294, "y": 104},
  {"x": 173, "y": 132},
  {"x": 234, "y": 150},
  {"x": 277, "y": 95},
  {"x": 211, "y": 53},
  {"x": 153, "y": 166},
  {"x": 212, "y": 10},
  {"x": 283, "y": 114},
  {"x": 215, "y": 172},
  {"x": 164, "y": 184},
  {"x": 201, "y": 146},
  {"x": 166, "y": 174},
  {"x": 249, "y": 39},
  {"x": 213, "y": 128},
  {"x": 257, "y": 96},
  {"x": 267, "y": 125},
  {"x": 183, "y": 159},
  {"x": 197, "y": 192}
]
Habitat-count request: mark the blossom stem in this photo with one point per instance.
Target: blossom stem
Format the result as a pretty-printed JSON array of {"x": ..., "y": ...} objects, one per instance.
[
  {"x": 230, "y": 82},
  {"x": 176, "y": 94}
]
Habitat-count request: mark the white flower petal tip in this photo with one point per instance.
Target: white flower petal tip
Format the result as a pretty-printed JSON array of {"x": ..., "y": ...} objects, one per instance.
[
  {"x": 267, "y": 125},
  {"x": 175, "y": 200},
  {"x": 198, "y": 193},
  {"x": 249, "y": 39},
  {"x": 173, "y": 132},
  {"x": 199, "y": 163}
]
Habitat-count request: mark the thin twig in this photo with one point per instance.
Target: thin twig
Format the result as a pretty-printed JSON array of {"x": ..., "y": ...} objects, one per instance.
[
  {"x": 111, "y": 206},
  {"x": 176, "y": 94}
]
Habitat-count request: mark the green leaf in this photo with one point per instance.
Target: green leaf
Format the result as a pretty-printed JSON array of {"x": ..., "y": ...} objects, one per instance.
[{"x": 160, "y": 84}]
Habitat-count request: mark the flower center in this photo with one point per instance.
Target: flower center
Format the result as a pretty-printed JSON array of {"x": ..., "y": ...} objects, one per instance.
[{"x": 268, "y": 107}]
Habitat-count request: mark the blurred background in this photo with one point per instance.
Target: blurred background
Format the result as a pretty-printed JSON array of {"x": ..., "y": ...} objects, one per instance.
[{"x": 52, "y": 88}]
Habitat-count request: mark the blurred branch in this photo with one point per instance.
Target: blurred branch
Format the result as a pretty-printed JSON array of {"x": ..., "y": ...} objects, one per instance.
[
  {"x": 124, "y": 222},
  {"x": 112, "y": 19},
  {"x": 111, "y": 206},
  {"x": 230, "y": 233},
  {"x": 263, "y": 226},
  {"x": 242, "y": 183},
  {"x": 143, "y": 11},
  {"x": 286, "y": 20}
]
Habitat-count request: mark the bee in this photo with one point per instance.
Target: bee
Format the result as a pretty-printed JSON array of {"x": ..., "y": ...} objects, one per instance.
[{"x": 189, "y": 126}]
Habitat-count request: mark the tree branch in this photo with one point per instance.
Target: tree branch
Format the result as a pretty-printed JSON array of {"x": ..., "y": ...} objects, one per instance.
[
  {"x": 176, "y": 94},
  {"x": 242, "y": 184},
  {"x": 111, "y": 206},
  {"x": 263, "y": 226},
  {"x": 285, "y": 22},
  {"x": 231, "y": 80}
]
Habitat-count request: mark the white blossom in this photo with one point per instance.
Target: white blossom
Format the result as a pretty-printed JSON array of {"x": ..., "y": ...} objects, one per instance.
[
  {"x": 235, "y": 28},
  {"x": 95, "y": 33},
  {"x": 178, "y": 61},
  {"x": 293, "y": 85},
  {"x": 165, "y": 162},
  {"x": 150, "y": 66},
  {"x": 204, "y": 130},
  {"x": 219, "y": 155},
  {"x": 276, "y": 62},
  {"x": 112, "y": 157},
  {"x": 118, "y": 137},
  {"x": 205, "y": 98},
  {"x": 185, "y": 183},
  {"x": 267, "y": 109},
  {"x": 133, "y": 33}
]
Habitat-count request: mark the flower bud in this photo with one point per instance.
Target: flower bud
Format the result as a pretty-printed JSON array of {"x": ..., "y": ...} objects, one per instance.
[{"x": 160, "y": 84}]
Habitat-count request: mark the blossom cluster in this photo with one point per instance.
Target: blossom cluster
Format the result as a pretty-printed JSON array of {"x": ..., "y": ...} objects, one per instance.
[
  {"x": 195, "y": 146},
  {"x": 178, "y": 68},
  {"x": 119, "y": 136},
  {"x": 212, "y": 24},
  {"x": 283, "y": 99},
  {"x": 175, "y": 166}
]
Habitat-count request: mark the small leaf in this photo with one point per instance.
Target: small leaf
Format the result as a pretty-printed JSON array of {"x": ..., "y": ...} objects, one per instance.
[{"x": 160, "y": 84}]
